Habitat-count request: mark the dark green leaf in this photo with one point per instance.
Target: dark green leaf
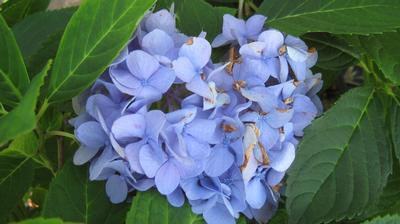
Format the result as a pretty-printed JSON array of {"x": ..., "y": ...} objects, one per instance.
[
  {"x": 73, "y": 197},
  {"x": 395, "y": 129},
  {"x": 389, "y": 219},
  {"x": 13, "y": 76},
  {"x": 16, "y": 175},
  {"x": 280, "y": 217},
  {"x": 152, "y": 208},
  {"x": 22, "y": 118},
  {"x": 25, "y": 144},
  {"x": 383, "y": 49},
  {"x": 342, "y": 163},
  {"x": 34, "y": 31},
  {"x": 95, "y": 35},
  {"x": 41, "y": 220},
  {"x": 334, "y": 16},
  {"x": 15, "y": 10},
  {"x": 195, "y": 16}
]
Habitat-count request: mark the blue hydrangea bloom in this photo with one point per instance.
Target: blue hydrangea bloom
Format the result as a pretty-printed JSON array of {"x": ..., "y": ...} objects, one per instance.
[{"x": 221, "y": 135}]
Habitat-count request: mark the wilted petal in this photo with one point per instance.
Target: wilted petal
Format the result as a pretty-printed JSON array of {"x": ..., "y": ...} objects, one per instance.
[{"x": 116, "y": 189}]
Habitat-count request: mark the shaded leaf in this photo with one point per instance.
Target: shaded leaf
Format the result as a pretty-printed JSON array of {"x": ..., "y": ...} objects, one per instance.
[
  {"x": 15, "y": 10},
  {"x": 22, "y": 118},
  {"x": 150, "y": 207},
  {"x": 389, "y": 219},
  {"x": 383, "y": 49},
  {"x": 13, "y": 76},
  {"x": 41, "y": 220},
  {"x": 95, "y": 35},
  {"x": 33, "y": 33},
  {"x": 74, "y": 198},
  {"x": 16, "y": 175},
  {"x": 342, "y": 163},
  {"x": 395, "y": 128},
  {"x": 334, "y": 16},
  {"x": 25, "y": 144}
]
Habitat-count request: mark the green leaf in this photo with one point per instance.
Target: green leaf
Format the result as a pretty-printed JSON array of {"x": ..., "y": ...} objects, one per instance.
[
  {"x": 40, "y": 27},
  {"x": 335, "y": 56},
  {"x": 395, "y": 129},
  {"x": 334, "y": 16},
  {"x": 15, "y": 10},
  {"x": 382, "y": 48},
  {"x": 42, "y": 220},
  {"x": 389, "y": 219},
  {"x": 22, "y": 118},
  {"x": 16, "y": 175},
  {"x": 73, "y": 197},
  {"x": 13, "y": 76},
  {"x": 195, "y": 16},
  {"x": 95, "y": 35},
  {"x": 150, "y": 207},
  {"x": 342, "y": 163},
  {"x": 26, "y": 144},
  {"x": 280, "y": 217}
]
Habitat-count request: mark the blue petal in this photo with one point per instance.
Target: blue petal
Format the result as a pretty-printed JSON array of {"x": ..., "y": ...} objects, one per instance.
[
  {"x": 256, "y": 193},
  {"x": 150, "y": 160},
  {"x": 254, "y": 25},
  {"x": 129, "y": 126},
  {"x": 141, "y": 64},
  {"x": 167, "y": 178},
  {"x": 157, "y": 42},
  {"x": 176, "y": 198},
  {"x": 116, "y": 189},
  {"x": 162, "y": 19},
  {"x": 273, "y": 40},
  {"x": 233, "y": 27},
  {"x": 84, "y": 154},
  {"x": 218, "y": 214},
  {"x": 283, "y": 158},
  {"x": 155, "y": 121},
  {"x": 132, "y": 154},
  {"x": 162, "y": 79},
  {"x": 219, "y": 161},
  {"x": 198, "y": 51},
  {"x": 91, "y": 134},
  {"x": 253, "y": 50},
  {"x": 184, "y": 69}
]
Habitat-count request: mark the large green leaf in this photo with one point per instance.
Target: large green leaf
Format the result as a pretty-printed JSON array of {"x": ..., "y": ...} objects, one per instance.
[
  {"x": 151, "y": 207},
  {"x": 22, "y": 118},
  {"x": 334, "y": 16},
  {"x": 383, "y": 49},
  {"x": 41, "y": 220},
  {"x": 95, "y": 35},
  {"x": 40, "y": 27},
  {"x": 389, "y": 219},
  {"x": 342, "y": 163},
  {"x": 73, "y": 197},
  {"x": 15, "y": 10},
  {"x": 13, "y": 76},
  {"x": 195, "y": 16},
  {"x": 16, "y": 175},
  {"x": 395, "y": 128}
]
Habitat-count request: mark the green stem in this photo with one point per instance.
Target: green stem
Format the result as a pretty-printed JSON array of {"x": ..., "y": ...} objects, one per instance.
[
  {"x": 240, "y": 9},
  {"x": 252, "y": 5},
  {"x": 42, "y": 110},
  {"x": 60, "y": 133}
]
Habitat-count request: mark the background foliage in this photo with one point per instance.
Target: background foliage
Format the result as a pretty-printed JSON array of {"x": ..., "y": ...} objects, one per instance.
[{"x": 347, "y": 165}]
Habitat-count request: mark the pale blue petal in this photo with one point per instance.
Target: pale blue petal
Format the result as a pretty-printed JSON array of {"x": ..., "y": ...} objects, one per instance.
[
  {"x": 167, "y": 178},
  {"x": 116, "y": 189},
  {"x": 141, "y": 64},
  {"x": 91, "y": 134},
  {"x": 198, "y": 51},
  {"x": 157, "y": 42}
]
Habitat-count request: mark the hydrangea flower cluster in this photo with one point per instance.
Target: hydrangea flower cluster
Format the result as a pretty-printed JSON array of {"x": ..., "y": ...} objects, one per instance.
[{"x": 220, "y": 135}]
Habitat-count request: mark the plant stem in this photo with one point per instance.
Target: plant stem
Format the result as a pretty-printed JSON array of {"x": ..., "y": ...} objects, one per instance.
[
  {"x": 240, "y": 9},
  {"x": 61, "y": 134},
  {"x": 42, "y": 110},
  {"x": 60, "y": 152},
  {"x": 252, "y": 5}
]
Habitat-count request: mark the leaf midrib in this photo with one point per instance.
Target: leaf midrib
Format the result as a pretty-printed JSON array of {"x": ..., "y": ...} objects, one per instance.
[
  {"x": 14, "y": 89},
  {"x": 92, "y": 49},
  {"x": 14, "y": 170},
  {"x": 363, "y": 112},
  {"x": 277, "y": 18}
]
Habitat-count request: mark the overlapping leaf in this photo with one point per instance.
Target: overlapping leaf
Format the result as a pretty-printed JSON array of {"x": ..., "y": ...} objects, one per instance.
[
  {"x": 15, "y": 10},
  {"x": 389, "y": 219},
  {"x": 152, "y": 208},
  {"x": 13, "y": 76},
  {"x": 97, "y": 32},
  {"x": 22, "y": 118},
  {"x": 16, "y": 175},
  {"x": 74, "y": 198},
  {"x": 334, "y": 16},
  {"x": 384, "y": 50},
  {"x": 342, "y": 163}
]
